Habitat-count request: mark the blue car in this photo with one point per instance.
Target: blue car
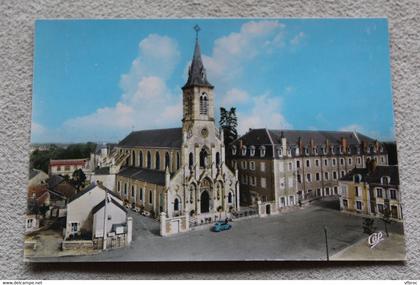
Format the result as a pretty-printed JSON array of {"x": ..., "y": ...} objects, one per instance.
[{"x": 221, "y": 226}]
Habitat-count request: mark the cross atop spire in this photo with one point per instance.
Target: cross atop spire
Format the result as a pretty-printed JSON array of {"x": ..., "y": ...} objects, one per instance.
[
  {"x": 197, "y": 73},
  {"x": 197, "y": 29}
]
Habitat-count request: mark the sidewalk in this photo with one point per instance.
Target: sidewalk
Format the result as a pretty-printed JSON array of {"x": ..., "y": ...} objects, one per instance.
[{"x": 392, "y": 248}]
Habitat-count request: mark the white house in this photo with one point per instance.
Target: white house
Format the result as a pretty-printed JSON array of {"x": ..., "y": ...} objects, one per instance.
[{"x": 86, "y": 218}]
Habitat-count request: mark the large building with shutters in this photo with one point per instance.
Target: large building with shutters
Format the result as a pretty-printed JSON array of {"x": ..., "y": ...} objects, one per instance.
[
  {"x": 180, "y": 171},
  {"x": 283, "y": 167}
]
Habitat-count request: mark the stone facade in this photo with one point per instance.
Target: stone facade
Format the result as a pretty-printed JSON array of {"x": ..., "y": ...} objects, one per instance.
[{"x": 181, "y": 171}]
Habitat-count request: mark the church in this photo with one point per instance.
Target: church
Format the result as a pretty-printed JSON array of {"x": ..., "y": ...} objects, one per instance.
[{"x": 180, "y": 171}]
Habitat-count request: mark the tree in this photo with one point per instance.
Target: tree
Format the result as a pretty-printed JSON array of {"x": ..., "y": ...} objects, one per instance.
[
  {"x": 229, "y": 122},
  {"x": 78, "y": 178},
  {"x": 387, "y": 219}
]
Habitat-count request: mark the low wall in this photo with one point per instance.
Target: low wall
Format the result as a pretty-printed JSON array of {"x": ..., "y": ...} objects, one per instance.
[
  {"x": 171, "y": 226},
  {"x": 76, "y": 244}
]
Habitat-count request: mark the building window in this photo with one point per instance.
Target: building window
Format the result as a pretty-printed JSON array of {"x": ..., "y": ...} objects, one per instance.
[
  {"x": 262, "y": 166},
  {"x": 298, "y": 178},
  {"x": 141, "y": 194},
  {"x": 252, "y": 150},
  {"x": 132, "y": 191},
  {"x": 67, "y": 167},
  {"x": 140, "y": 158},
  {"x": 279, "y": 152},
  {"x": 157, "y": 158},
  {"x": 335, "y": 175},
  {"x": 334, "y": 161},
  {"x": 342, "y": 161},
  {"x": 326, "y": 162},
  {"x": 243, "y": 150},
  {"x": 262, "y": 151},
  {"x": 385, "y": 180},
  {"x": 359, "y": 160},
  {"x": 308, "y": 163},
  {"x": 133, "y": 158},
  {"x": 74, "y": 227},
  {"x": 191, "y": 160},
  {"x": 29, "y": 223},
  {"x": 345, "y": 204},
  {"x": 204, "y": 104},
  {"x": 382, "y": 159},
  {"x": 230, "y": 197},
  {"x": 217, "y": 159},
  {"x": 335, "y": 190},
  {"x": 118, "y": 186},
  {"x": 357, "y": 178},
  {"x": 252, "y": 180},
  {"x": 263, "y": 182},
  {"x": 149, "y": 160},
  {"x": 150, "y": 197},
  {"x": 308, "y": 177},
  {"x": 167, "y": 160},
  {"x": 125, "y": 189},
  {"x": 343, "y": 173},
  {"x": 316, "y": 162},
  {"x": 290, "y": 166},
  {"x": 358, "y": 205},
  {"x": 379, "y": 193},
  {"x": 317, "y": 176},
  {"x": 178, "y": 162},
  {"x": 243, "y": 164},
  {"x": 350, "y": 161},
  {"x": 203, "y": 158},
  {"x": 393, "y": 194},
  {"x": 252, "y": 165},
  {"x": 326, "y": 175},
  {"x": 176, "y": 204},
  {"x": 306, "y": 151},
  {"x": 297, "y": 164},
  {"x": 233, "y": 150},
  {"x": 381, "y": 208},
  {"x": 356, "y": 191}
]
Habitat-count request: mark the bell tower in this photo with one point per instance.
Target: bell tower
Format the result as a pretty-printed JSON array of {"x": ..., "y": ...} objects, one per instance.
[{"x": 198, "y": 100}]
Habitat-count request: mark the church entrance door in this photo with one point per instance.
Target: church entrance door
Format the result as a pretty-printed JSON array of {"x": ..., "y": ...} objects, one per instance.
[{"x": 205, "y": 202}]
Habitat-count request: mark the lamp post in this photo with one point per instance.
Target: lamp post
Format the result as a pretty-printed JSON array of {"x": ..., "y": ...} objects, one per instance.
[{"x": 326, "y": 243}]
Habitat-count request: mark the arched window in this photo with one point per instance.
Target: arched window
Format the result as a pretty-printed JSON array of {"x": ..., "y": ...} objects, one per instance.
[
  {"x": 252, "y": 150},
  {"x": 233, "y": 149},
  {"x": 243, "y": 150},
  {"x": 140, "y": 158},
  {"x": 203, "y": 104},
  {"x": 167, "y": 160},
  {"x": 149, "y": 160},
  {"x": 262, "y": 151},
  {"x": 133, "y": 158},
  {"x": 176, "y": 204},
  {"x": 230, "y": 197},
  {"x": 279, "y": 152},
  {"x": 357, "y": 178},
  {"x": 217, "y": 158},
  {"x": 203, "y": 158},
  {"x": 157, "y": 163},
  {"x": 191, "y": 160},
  {"x": 177, "y": 160}
]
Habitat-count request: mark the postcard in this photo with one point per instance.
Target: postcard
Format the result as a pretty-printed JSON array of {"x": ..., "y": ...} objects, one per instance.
[{"x": 213, "y": 139}]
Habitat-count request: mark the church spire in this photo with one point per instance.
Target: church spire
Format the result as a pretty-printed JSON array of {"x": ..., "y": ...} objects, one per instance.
[{"x": 197, "y": 73}]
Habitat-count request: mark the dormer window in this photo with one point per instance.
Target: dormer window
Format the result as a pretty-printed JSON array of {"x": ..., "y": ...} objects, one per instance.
[
  {"x": 297, "y": 151},
  {"x": 262, "y": 151},
  {"x": 243, "y": 150},
  {"x": 357, "y": 178},
  {"x": 341, "y": 149},
  {"x": 289, "y": 152},
  {"x": 349, "y": 150},
  {"x": 204, "y": 104},
  {"x": 324, "y": 150},
  {"x": 385, "y": 180},
  {"x": 358, "y": 150},
  {"x": 279, "y": 152},
  {"x": 332, "y": 149},
  {"x": 382, "y": 149},
  {"x": 315, "y": 150},
  {"x": 306, "y": 151},
  {"x": 234, "y": 150},
  {"x": 252, "y": 150}
]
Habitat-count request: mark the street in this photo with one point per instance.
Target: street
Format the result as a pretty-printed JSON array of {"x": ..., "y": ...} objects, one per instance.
[{"x": 296, "y": 235}]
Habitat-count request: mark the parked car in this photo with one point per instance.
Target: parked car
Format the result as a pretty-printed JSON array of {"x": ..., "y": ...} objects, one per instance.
[{"x": 221, "y": 226}]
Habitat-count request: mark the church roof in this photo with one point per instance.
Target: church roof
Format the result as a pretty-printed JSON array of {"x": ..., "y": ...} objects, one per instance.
[
  {"x": 197, "y": 73},
  {"x": 146, "y": 175},
  {"x": 165, "y": 138}
]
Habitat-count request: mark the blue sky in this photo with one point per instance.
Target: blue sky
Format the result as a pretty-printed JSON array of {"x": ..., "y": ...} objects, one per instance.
[{"x": 96, "y": 80}]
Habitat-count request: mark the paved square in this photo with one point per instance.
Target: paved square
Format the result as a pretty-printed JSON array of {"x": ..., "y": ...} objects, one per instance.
[{"x": 296, "y": 235}]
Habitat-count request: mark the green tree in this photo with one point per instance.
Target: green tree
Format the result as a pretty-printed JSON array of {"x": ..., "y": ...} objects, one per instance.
[
  {"x": 78, "y": 178},
  {"x": 229, "y": 122}
]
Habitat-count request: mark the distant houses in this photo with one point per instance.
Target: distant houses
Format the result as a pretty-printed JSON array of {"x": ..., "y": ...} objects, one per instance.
[{"x": 372, "y": 191}]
